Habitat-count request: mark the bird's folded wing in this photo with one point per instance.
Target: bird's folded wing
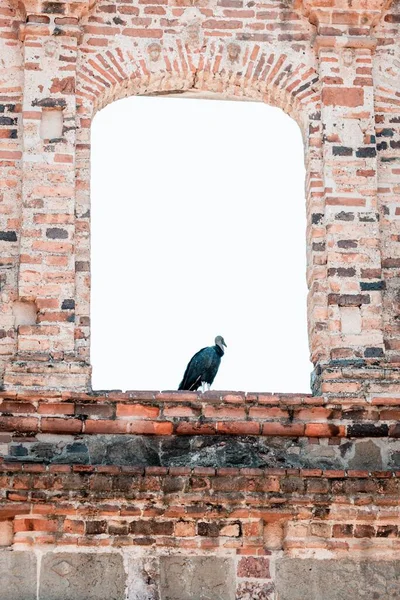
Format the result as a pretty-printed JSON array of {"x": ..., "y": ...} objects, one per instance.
[{"x": 199, "y": 363}]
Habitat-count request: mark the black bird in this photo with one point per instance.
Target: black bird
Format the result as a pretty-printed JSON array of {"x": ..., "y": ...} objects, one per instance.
[{"x": 203, "y": 366}]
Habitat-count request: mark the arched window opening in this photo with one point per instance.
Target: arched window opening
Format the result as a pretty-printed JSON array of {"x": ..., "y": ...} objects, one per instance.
[{"x": 198, "y": 229}]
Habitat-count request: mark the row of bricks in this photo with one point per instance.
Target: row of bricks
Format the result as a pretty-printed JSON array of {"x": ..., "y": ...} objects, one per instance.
[
  {"x": 205, "y": 544},
  {"x": 152, "y": 19},
  {"x": 137, "y": 426},
  {"x": 66, "y": 220},
  {"x": 196, "y": 543},
  {"x": 131, "y": 527},
  {"x": 229, "y": 398},
  {"x": 191, "y": 528},
  {"x": 237, "y": 9},
  {"x": 365, "y": 531},
  {"x": 330, "y": 12},
  {"x": 260, "y": 490},
  {"x": 251, "y": 508},
  {"x": 339, "y": 528},
  {"x": 41, "y": 468},
  {"x": 227, "y": 19},
  {"x": 382, "y": 548},
  {"x": 153, "y": 410},
  {"x": 253, "y": 529}
]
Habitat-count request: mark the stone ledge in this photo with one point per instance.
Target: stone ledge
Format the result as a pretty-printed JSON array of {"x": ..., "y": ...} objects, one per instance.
[
  {"x": 224, "y": 397},
  {"x": 193, "y": 414}
]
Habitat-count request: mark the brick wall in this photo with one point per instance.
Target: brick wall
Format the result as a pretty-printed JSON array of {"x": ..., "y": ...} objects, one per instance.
[
  {"x": 332, "y": 68},
  {"x": 144, "y": 495},
  {"x": 183, "y": 495},
  {"x": 233, "y": 526}
]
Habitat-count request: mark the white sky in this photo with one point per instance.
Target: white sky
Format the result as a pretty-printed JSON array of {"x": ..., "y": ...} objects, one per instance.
[{"x": 198, "y": 230}]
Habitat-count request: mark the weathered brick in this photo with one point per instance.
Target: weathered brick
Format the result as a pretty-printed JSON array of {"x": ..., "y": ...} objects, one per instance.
[
  {"x": 254, "y": 567},
  {"x": 143, "y": 527},
  {"x": 65, "y": 63},
  {"x": 343, "y": 96}
]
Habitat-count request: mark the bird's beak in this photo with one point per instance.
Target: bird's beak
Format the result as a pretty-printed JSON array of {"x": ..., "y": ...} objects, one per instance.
[{"x": 224, "y": 344}]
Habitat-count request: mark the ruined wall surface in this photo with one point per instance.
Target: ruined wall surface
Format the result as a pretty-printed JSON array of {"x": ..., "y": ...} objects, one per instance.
[
  {"x": 200, "y": 533},
  {"x": 176, "y": 495},
  {"x": 333, "y": 66},
  {"x": 185, "y": 496}
]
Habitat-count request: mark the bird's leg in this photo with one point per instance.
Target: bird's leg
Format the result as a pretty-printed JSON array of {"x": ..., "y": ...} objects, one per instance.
[
  {"x": 203, "y": 387},
  {"x": 208, "y": 387}
]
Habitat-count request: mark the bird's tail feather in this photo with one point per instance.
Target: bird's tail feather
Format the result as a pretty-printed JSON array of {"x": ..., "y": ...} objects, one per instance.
[{"x": 190, "y": 387}]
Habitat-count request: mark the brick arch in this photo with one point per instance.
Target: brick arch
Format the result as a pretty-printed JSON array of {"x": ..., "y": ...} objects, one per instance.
[
  {"x": 258, "y": 74},
  {"x": 262, "y": 75}
]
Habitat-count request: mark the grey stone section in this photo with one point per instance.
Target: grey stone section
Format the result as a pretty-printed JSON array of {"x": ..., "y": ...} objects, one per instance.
[
  {"x": 367, "y": 456},
  {"x": 82, "y": 576},
  {"x": 197, "y": 578},
  {"x": 17, "y": 575},
  {"x": 143, "y": 578},
  {"x": 311, "y": 579},
  {"x": 208, "y": 451}
]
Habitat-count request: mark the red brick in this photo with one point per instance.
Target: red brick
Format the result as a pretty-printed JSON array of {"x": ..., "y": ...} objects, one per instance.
[
  {"x": 151, "y": 427},
  {"x": 292, "y": 430},
  {"x": 238, "y": 428},
  {"x": 105, "y": 426},
  {"x": 17, "y": 407},
  {"x": 95, "y": 410},
  {"x": 34, "y": 468},
  {"x": 343, "y": 530},
  {"x": 180, "y": 411},
  {"x": 324, "y": 430},
  {"x": 187, "y": 428},
  {"x": 204, "y": 471},
  {"x": 19, "y": 424},
  {"x": 222, "y": 24},
  {"x": 185, "y": 529},
  {"x": 273, "y": 412},
  {"x": 137, "y": 410},
  {"x": 6, "y": 533},
  {"x": 224, "y": 412},
  {"x": 309, "y": 414},
  {"x": 60, "y": 408},
  {"x": 54, "y": 425},
  {"x": 364, "y": 531},
  {"x": 253, "y": 567},
  {"x": 143, "y": 33}
]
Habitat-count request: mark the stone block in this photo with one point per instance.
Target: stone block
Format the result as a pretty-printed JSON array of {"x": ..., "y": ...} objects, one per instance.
[
  {"x": 311, "y": 579},
  {"x": 17, "y": 575},
  {"x": 143, "y": 578},
  {"x": 82, "y": 576},
  {"x": 367, "y": 456},
  {"x": 197, "y": 578},
  {"x": 273, "y": 536},
  {"x": 250, "y": 590},
  {"x": 6, "y": 533},
  {"x": 252, "y": 566}
]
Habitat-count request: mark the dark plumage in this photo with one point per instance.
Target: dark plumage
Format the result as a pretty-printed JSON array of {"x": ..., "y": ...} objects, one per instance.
[{"x": 203, "y": 366}]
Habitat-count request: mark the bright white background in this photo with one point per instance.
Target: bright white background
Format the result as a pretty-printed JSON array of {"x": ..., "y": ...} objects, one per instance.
[{"x": 198, "y": 230}]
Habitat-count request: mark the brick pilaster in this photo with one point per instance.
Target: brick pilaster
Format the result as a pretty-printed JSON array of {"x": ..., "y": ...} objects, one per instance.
[
  {"x": 351, "y": 211},
  {"x": 46, "y": 281}
]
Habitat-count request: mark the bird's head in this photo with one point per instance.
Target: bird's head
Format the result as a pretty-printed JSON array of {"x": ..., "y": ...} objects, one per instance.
[{"x": 219, "y": 341}]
